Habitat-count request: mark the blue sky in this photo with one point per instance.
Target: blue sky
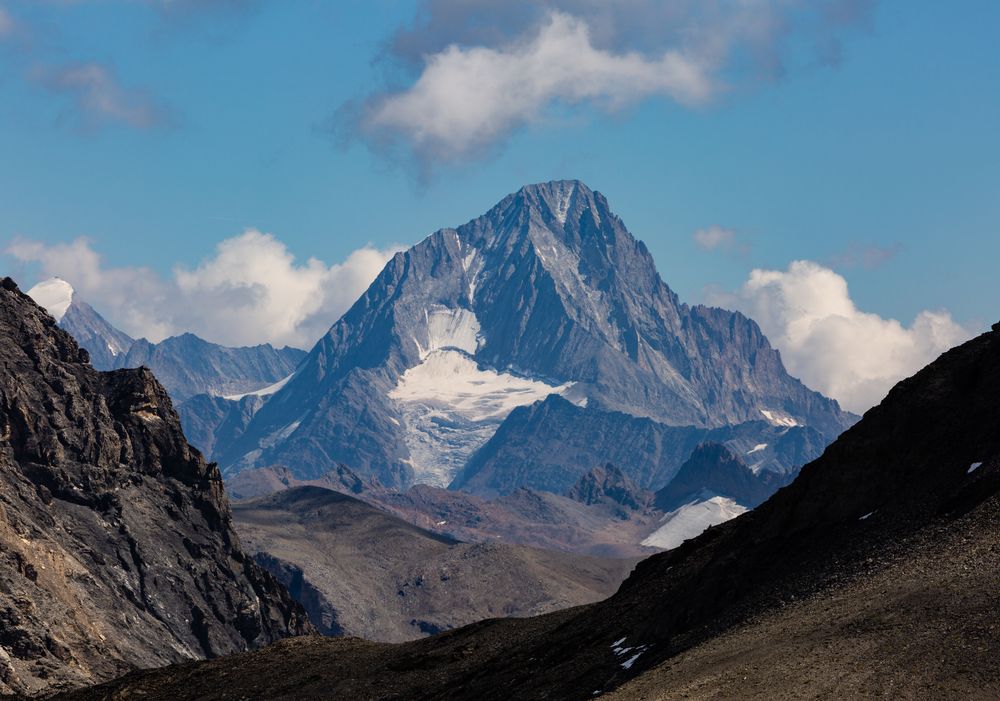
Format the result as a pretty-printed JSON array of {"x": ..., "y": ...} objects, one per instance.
[{"x": 872, "y": 149}]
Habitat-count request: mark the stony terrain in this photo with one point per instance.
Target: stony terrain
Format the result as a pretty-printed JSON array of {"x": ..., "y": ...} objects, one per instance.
[
  {"x": 362, "y": 572},
  {"x": 116, "y": 541},
  {"x": 888, "y": 541}
]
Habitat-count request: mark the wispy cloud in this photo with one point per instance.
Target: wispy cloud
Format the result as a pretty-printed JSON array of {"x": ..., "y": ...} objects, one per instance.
[
  {"x": 98, "y": 98},
  {"x": 718, "y": 238},
  {"x": 252, "y": 290},
  {"x": 482, "y": 70},
  {"x": 851, "y": 355},
  {"x": 868, "y": 256},
  {"x": 6, "y": 24}
]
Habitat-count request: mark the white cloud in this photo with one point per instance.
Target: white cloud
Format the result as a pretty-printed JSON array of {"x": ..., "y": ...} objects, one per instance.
[
  {"x": 252, "y": 290},
  {"x": 483, "y": 69},
  {"x": 99, "y": 98},
  {"x": 466, "y": 99},
  {"x": 853, "y": 356}
]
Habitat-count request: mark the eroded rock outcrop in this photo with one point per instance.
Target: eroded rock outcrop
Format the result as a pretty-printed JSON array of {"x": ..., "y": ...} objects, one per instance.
[{"x": 116, "y": 544}]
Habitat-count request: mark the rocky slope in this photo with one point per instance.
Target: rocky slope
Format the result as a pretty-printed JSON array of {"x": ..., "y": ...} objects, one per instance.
[
  {"x": 551, "y": 444},
  {"x": 115, "y": 536},
  {"x": 546, "y": 294},
  {"x": 714, "y": 469},
  {"x": 360, "y": 571},
  {"x": 612, "y": 488},
  {"x": 888, "y": 540}
]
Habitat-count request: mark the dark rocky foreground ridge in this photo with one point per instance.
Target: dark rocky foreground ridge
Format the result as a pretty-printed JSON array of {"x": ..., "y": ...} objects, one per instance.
[
  {"x": 116, "y": 540},
  {"x": 880, "y": 565}
]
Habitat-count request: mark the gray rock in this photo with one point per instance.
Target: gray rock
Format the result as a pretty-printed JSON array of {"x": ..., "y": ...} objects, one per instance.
[
  {"x": 561, "y": 293},
  {"x": 116, "y": 541}
]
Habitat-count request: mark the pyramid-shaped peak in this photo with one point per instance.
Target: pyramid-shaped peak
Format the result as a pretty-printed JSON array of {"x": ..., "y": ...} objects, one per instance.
[
  {"x": 54, "y": 294},
  {"x": 560, "y": 198}
]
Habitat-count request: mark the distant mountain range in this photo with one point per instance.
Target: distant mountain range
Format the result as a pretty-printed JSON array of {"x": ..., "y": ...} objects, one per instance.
[
  {"x": 524, "y": 349},
  {"x": 186, "y": 364},
  {"x": 215, "y": 389}
]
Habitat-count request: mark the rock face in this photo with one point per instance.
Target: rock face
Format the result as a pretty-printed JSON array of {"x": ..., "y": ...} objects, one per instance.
[
  {"x": 610, "y": 486},
  {"x": 552, "y": 444},
  {"x": 547, "y": 293},
  {"x": 189, "y": 365},
  {"x": 360, "y": 571},
  {"x": 106, "y": 345},
  {"x": 115, "y": 536},
  {"x": 713, "y": 470},
  {"x": 874, "y": 573}
]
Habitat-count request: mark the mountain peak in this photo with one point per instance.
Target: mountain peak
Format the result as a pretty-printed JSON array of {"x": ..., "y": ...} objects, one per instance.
[
  {"x": 54, "y": 295},
  {"x": 563, "y": 200}
]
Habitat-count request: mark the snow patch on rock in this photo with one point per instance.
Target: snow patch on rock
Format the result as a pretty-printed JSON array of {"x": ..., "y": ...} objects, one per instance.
[
  {"x": 263, "y": 391},
  {"x": 779, "y": 419},
  {"x": 691, "y": 520},
  {"x": 451, "y": 406}
]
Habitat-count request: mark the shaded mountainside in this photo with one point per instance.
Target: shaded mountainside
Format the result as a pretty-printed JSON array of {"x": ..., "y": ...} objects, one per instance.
[
  {"x": 552, "y": 444},
  {"x": 115, "y": 536},
  {"x": 895, "y": 526},
  {"x": 547, "y": 293},
  {"x": 360, "y": 571},
  {"x": 714, "y": 469},
  {"x": 610, "y": 486},
  {"x": 188, "y": 365}
]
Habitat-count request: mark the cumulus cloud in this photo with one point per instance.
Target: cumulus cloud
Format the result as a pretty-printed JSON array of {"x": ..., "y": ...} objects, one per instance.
[
  {"x": 484, "y": 69},
  {"x": 853, "y": 356},
  {"x": 252, "y": 290},
  {"x": 719, "y": 238},
  {"x": 100, "y": 99}
]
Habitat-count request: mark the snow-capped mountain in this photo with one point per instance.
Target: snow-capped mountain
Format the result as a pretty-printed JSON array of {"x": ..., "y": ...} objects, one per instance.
[
  {"x": 546, "y": 294},
  {"x": 186, "y": 364},
  {"x": 106, "y": 344}
]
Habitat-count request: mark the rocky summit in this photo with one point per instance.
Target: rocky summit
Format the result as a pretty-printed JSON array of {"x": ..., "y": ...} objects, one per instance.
[
  {"x": 547, "y": 294},
  {"x": 116, "y": 540}
]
